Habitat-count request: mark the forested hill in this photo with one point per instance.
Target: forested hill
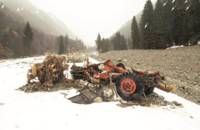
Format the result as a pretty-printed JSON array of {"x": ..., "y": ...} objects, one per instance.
[
  {"x": 167, "y": 23},
  {"x": 125, "y": 29},
  {"x": 26, "y": 31},
  {"x": 24, "y": 11}
]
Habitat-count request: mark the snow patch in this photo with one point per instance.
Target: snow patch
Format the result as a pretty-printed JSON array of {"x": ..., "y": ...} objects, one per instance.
[
  {"x": 187, "y": 8},
  {"x": 52, "y": 111},
  {"x": 173, "y": 8},
  {"x": 146, "y": 25},
  {"x": 164, "y": 4},
  {"x": 174, "y": 47},
  {"x": 95, "y": 53},
  {"x": 93, "y": 61}
]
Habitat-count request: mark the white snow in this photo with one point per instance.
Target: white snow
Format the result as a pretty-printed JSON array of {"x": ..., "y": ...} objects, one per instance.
[
  {"x": 52, "y": 111},
  {"x": 186, "y": 1},
  {"x": 95, "y": 53},
  {"x": 173, "y": 1},
  {"x": 187, "y": 8},
  {"x": 173, "y": 8},
  {"x": 164, "y": 4},
  {"x": 94, "y": 61},
  {"x": 146, "y": 25},
  {"x": 174, "y": 47}
]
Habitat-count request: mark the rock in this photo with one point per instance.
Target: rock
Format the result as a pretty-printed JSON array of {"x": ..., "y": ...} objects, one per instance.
[
  {"x": 98, "y": 100},
  {"x": 177, "y": 103}
]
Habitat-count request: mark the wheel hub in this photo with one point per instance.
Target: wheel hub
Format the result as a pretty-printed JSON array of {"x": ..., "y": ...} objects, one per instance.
[{"x": 128, "y": 86}]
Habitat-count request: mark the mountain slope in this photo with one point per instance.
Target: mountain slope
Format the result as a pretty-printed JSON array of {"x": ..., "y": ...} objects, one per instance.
[
  {"x": 11, "y": 35},
  {"x": 126, "y": 28},
  {"x": 14, "y": 15},
  {"x": 38, "y": 18}
]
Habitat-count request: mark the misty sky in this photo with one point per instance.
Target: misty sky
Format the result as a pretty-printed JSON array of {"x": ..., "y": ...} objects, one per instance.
[{"x": 87, "y": 18}]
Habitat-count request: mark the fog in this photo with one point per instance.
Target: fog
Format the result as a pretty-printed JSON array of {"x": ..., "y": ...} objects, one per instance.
[{"x": 87, "y": 18}]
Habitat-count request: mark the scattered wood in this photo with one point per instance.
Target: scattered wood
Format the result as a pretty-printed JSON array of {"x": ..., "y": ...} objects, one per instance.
[
  {"x": 47, "y": 75},
  {"x": 49, "y": 72}
]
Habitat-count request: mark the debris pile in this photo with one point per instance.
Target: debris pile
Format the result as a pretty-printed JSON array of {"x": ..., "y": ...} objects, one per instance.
[
  {"x": 116, "y": 82},
  {"x": 97, "y": 82},
  {"x": 46, "y": 75},
  {"x": 76, "y": 57}
]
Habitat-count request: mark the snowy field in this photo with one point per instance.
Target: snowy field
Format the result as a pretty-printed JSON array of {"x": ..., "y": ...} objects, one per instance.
[{"x": 52, "y": 111}]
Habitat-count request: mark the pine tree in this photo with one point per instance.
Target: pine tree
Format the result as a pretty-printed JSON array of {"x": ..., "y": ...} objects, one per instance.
[
  {"x": 105, "y": 45},
  {"x": 163, "y": 23},
  {"x": 129, "y": 43},
  {"x": 194, "y": 22},
  {"x": 66, "y": 43},
  {"x": 169, "y": 22},
  {"x": 98, "y": 42},
  {"x": 28, "y": 35},
  {"x": 61, "y": 46},
  {"x": 135, "y": 34},
  {"x": 180, "y": 29},
  {"x": 119, "y": 42},
  {"x": 158, "y": 25},
  {"x": 146, "y": 25}
]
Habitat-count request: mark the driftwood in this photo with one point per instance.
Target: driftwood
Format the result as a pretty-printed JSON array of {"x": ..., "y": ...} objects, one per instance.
[{"x": 49, "y": 72}]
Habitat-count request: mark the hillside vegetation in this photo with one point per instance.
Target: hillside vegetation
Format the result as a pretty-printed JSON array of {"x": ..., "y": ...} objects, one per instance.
[
  {"x": 26, "y": 31},
  {"x": 164, "y": 24}
]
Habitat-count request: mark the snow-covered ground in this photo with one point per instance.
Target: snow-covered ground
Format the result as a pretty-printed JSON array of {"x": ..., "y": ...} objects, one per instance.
[
  {"x": 52, "y": 111},
  {"x": 174, "y": 47}
]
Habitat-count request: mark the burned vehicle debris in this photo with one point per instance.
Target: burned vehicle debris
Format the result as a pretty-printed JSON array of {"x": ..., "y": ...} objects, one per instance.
[
  {"x": 96, "y": 82},
  {"x": 127, "y": 84}
]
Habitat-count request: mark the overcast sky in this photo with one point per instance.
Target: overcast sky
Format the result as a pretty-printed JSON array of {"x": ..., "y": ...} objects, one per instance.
[{"x": 87, "y": 18}]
